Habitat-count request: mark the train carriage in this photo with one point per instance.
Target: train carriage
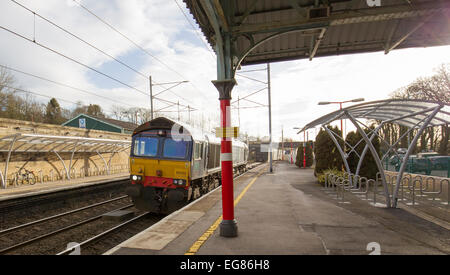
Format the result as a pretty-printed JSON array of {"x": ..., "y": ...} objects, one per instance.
[{"x": 172, "y": 163}]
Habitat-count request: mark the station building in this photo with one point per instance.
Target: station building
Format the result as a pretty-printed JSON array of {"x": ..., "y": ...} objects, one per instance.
[{"x": 100, "y": 123}]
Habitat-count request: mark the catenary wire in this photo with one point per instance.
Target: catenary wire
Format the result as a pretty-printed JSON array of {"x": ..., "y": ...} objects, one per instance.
[
  {"x": 82, "y": 64},
  {"x": 134, "y": 43}
]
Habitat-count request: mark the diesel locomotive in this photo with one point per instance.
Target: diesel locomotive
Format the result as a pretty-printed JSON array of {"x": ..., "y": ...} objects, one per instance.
[{"x": 172, "y": 163}]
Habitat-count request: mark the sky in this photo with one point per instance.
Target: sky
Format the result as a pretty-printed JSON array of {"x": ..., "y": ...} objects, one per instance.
[{"x": 174, "y": 51}]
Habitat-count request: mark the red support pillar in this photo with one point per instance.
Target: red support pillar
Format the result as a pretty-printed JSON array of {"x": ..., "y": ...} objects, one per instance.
[{"x": 228, "y": 227}]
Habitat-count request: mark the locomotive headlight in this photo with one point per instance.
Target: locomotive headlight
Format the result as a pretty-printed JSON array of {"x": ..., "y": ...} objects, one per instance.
[
  {"x": 178, "y": 182},
  {"x": 134, "y": 177}
]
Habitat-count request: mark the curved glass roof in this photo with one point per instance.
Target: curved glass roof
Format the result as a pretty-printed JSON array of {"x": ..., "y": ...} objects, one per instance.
[
  {"x": 409, "y": 113},
  {"x": 63, "y": 144}
]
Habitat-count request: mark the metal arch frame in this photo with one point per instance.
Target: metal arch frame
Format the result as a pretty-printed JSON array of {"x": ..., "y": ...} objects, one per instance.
[
  {"x": 423, "y": 118},
  {"x": 51, "y": 143},
  {"x": 364, "y": 152},
  {"x": 341, "y": 152},
  {"x": 375, "y": 157},
  {"x": 408, "y": 153},
  {"x": 5, "y": 177},
  {"x": 315, "y": 26}
]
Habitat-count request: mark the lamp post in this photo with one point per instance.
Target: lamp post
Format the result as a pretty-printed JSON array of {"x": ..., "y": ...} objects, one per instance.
[{"x": 340, "y": 108}]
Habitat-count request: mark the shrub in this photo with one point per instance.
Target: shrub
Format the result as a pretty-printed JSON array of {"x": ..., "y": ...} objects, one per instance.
[
  {"x": 326, "y": 152},
  {"x": 369, "y": 167},
  {"x": 321, "y": 176}
]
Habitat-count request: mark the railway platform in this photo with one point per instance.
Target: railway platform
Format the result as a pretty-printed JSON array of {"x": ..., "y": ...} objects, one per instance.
[
  {"x": 57, "y": 186},
  {"x": 287, "y": 212}
]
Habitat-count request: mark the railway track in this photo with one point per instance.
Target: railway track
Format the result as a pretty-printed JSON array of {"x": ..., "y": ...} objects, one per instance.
[
  {"x": 43, "y": 236},
  {"x": 84, "y": 227},
  {"x": 99, "y": 244}
]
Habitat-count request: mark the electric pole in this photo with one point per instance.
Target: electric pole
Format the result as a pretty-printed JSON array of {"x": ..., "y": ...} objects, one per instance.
[
  {"x": 151, "y": 98},
  {"x": 270, "y": 118},
  {"x": 282, "y": 143}
]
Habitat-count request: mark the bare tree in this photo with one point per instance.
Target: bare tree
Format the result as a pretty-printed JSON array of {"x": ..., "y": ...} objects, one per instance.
[{"x": 434, "y": 88}]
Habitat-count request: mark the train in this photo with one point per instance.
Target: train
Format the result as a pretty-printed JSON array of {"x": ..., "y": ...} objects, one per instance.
[{"x": 172, "y": 163}]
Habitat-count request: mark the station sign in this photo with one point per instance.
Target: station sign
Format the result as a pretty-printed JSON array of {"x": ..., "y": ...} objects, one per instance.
[{"x": 227, "y": 132}]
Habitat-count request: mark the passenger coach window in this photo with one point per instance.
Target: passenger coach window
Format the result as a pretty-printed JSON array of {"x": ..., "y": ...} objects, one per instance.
[
  {"x": 175, "y": 149},
  {"x": 146, "y": 146}
]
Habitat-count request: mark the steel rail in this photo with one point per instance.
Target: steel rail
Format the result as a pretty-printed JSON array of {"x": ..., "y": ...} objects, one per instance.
[
  {"x": 59, "y": 215},
  {"x": 13, "y": 247},
  {"x": 95, "y": 238}
]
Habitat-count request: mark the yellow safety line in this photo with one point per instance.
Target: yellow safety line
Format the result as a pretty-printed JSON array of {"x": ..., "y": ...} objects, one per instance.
[{"x": 203, "y": 238}]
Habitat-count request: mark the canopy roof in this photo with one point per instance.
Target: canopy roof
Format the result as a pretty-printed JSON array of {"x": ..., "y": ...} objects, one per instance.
[
  {"x": 409, "y": 113},
  {"x": 61, "y": 144},
  {"x": 263, "y": 31}
]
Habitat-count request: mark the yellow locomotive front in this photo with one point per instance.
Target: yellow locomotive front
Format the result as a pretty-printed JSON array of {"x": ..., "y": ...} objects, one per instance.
[{"x": 159, "y": 166}]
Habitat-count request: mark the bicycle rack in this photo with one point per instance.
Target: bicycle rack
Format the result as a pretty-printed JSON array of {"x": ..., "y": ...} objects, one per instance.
[{"x": 411, "y": 188}]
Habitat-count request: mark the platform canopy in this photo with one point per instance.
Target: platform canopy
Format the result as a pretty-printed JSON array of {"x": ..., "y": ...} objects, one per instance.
[
  {"x": 409, "y": 113},
  {"x": 35, "y": 143},
  {"x": 261, "y": 31},
  {"x": 416, "y": 115},
  {"x": 32, "y": 143}
]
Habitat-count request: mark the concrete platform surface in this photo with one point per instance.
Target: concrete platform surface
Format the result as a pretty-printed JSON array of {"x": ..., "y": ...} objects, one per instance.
[
  {"x": 287, "y": 213},
  {"x": 56, "y": 186}
]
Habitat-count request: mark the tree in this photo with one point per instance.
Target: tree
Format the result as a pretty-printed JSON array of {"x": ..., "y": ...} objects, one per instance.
[
  {"x": 95, "y": 110},
  {"x": 433, "y": 88},
  {"x": 53, "y": 113},
  {"x": 326, "y": 152}
]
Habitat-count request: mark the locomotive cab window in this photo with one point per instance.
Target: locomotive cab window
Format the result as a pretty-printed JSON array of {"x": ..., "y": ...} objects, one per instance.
[
  {"x": 175, "y": 149},
  {"x": 146, "y": 146},
  {"x": 198, "y": 150}
]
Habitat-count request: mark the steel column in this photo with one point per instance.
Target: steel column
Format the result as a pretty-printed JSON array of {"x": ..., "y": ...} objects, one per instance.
[
  {"x": 104, "y": 161},
  {"x": 72, "y": 155},
  {"x": 375, "y": 157},
  {"x": 11, "y": 146},
  {"x": 224, "y": 84},
  {"x": 270, "y": 119},
  {"x": 343, "y": 155},
  {"x": 151, "y": 97},
  {"x": 228, "y": 227},
  {"x": 364, "y": 152},
  {"x": 408, "y": 153},
  {"x": 64, "y": 165}
]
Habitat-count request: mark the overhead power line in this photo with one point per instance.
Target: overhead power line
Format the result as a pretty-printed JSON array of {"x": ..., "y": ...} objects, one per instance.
[
  {"x": 65, "y": 85},
  {"x": 38, "y": 94},
  {"x": 195, "y": 30},
  {"x": 72, "y": 59},
  {"x": 82, "y": 64},
  {"x": 85, "y": 42},
  {"x": 79, "y": 38},
  {"x": 127, "y": 38},
  {"x": 134, "y": 43}
]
